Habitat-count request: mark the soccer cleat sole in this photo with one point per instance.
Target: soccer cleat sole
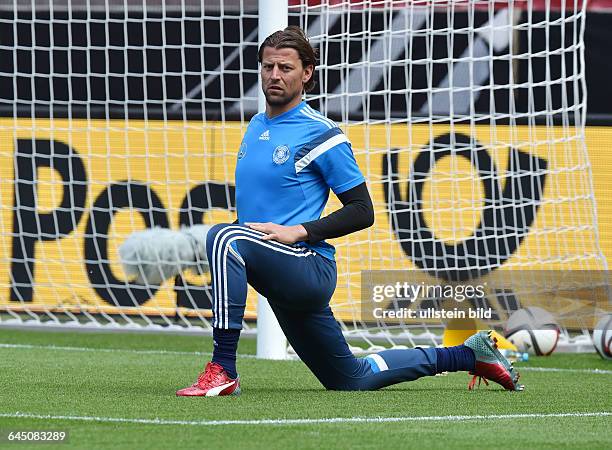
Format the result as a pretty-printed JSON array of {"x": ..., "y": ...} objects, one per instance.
[{"x": 514, "y": 375}]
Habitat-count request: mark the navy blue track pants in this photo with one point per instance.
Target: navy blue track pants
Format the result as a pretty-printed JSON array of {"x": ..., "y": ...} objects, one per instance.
[{"x": 299, "y": 284}]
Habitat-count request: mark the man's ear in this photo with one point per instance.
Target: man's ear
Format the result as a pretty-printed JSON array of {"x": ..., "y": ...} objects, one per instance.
[{"x": 307, "y": 73}]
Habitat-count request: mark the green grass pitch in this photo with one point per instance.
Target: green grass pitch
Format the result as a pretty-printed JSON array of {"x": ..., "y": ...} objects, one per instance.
[{"x": 117, "y": 391}]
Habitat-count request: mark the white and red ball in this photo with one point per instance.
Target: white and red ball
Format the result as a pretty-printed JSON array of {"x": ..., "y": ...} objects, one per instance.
[
  {"x": 533, "y": 330},
  {"x": 602, "y": 337}
]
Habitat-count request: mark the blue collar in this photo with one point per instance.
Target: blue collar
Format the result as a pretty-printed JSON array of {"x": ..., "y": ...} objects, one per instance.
[{"x": 286, "y": 114}]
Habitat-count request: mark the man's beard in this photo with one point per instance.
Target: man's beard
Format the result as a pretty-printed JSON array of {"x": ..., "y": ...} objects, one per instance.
[{"x": 278, "y": 100}]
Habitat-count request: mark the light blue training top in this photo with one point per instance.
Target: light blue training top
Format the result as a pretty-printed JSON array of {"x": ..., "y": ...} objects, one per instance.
[{"x": 286, "y": 166}]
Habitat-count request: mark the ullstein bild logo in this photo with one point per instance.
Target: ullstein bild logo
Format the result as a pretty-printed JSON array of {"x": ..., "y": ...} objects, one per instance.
[
  {"x": 573, "y": 297},
  {"x": 405, "y": 300},
  {"x": 432, "y": 313}
]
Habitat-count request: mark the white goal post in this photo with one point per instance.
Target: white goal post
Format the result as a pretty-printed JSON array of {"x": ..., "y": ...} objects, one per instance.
[
  {"x": 271, "y": 341},
  {"x": 466, "y": 117}
]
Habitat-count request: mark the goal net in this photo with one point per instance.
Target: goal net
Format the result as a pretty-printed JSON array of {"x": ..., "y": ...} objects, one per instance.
[{"x": 467, "y": 118}]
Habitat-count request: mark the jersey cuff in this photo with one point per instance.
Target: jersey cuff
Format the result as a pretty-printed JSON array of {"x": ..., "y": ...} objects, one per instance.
[{"x": 348, "y": 185}]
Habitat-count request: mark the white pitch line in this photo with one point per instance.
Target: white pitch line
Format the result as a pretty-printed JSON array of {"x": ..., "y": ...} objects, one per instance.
[
  {"x": 247, "y": 356},
  {"x": 331, "y": 420}
]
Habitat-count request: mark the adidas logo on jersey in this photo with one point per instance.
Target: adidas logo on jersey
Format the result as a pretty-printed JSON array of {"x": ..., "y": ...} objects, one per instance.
[{"x": 265, "y": 136}]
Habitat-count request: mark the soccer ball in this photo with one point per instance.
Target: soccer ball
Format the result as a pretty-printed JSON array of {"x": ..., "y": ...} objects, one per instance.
[
  {"x": 533, "y": 330},
  {"x": 602, "y": 337}
]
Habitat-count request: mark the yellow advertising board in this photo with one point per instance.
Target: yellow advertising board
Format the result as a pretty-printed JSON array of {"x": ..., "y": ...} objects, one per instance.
[{"x": 71, "y": 191}]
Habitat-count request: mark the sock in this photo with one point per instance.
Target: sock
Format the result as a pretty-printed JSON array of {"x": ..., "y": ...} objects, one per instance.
[
  {"x": 225, "y": 347},
  {"x": 454, "y": 359}
]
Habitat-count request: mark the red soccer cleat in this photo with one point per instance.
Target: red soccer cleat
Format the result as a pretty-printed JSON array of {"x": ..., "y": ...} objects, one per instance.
[
  {"x": 491, "y": 364},
  {"x": 211, "y": 383}
]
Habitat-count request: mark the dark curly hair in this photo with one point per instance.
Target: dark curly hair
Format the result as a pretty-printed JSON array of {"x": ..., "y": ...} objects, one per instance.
[{"x": 295, "y": 38}]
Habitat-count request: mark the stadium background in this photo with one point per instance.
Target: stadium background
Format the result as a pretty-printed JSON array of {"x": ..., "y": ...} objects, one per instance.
[{"x": 103, "y": 88}]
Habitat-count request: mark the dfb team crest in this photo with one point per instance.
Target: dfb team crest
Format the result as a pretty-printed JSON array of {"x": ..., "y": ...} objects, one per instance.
[{"x": 281, "y": 154}]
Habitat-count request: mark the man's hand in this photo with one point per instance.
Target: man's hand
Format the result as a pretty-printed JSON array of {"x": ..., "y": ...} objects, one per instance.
[{"x": 280, "y": 233}]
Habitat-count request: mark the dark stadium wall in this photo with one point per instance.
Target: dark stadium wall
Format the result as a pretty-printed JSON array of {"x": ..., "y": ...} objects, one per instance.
[
  {"x": 598, "y": 36},
  {"x": 110, "y": 79}
]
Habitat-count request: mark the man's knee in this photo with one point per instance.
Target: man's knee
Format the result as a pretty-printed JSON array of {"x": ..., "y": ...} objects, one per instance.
[
  {"x": 213, "y": 232},
  {"x": 213, "y": 235},
  {"x": 354, "y": 376},
  {"x": 349, "y": 385},
  {"x": 357, "y": 379}
]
